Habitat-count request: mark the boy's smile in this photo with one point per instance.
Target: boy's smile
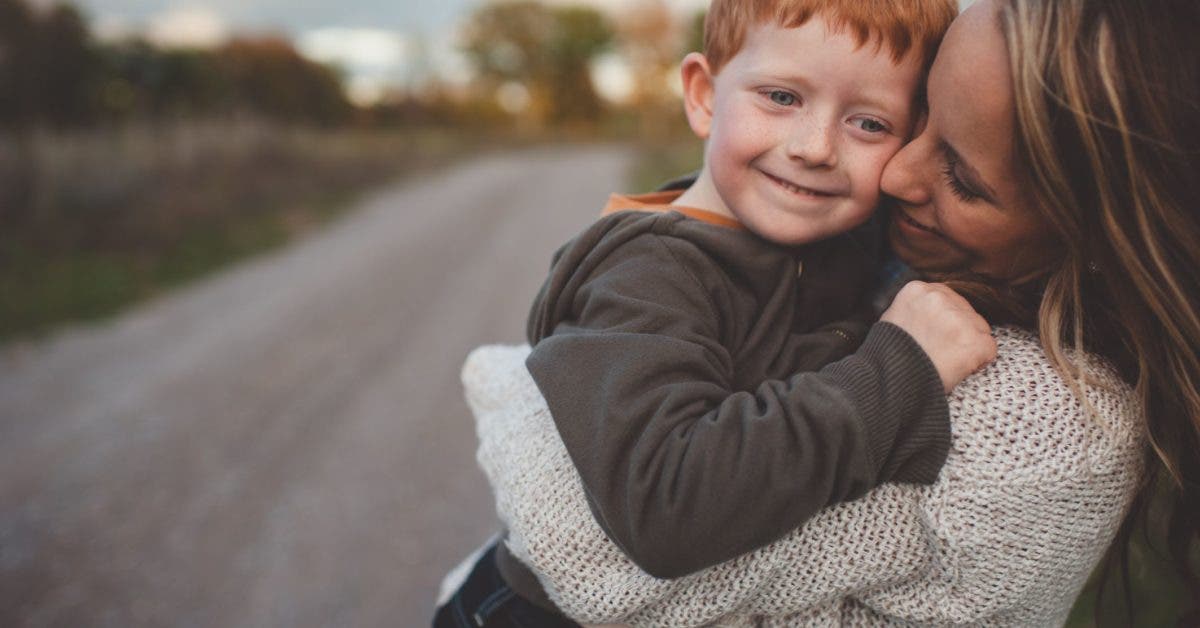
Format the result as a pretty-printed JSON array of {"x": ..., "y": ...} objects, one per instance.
[{"x": 799, "y": 124}]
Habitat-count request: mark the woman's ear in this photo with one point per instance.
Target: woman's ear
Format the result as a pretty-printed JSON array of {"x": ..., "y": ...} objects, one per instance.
[{"x": 697, "y": 93}]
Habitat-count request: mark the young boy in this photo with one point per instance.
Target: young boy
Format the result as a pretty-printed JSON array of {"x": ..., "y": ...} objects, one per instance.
[{"x": 682, "y": 331}]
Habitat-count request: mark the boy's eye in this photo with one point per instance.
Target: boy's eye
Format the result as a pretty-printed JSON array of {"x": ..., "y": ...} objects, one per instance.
[
  {"x": 780, "y": 97},
  {"x": 871, "y": 125}
]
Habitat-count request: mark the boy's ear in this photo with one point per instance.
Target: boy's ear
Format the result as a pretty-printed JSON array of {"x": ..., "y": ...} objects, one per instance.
[{"x": 697, "y": 93}]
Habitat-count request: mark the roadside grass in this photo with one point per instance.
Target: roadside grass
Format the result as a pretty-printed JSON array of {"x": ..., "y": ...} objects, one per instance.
[
  {"x": 658, "y": 163},
  {"x": 1159, "y": 596},
  {"x": 93, "y": 221}
]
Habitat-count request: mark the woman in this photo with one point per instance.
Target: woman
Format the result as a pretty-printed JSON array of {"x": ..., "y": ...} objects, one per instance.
[{"x": 1056, "y": 185}]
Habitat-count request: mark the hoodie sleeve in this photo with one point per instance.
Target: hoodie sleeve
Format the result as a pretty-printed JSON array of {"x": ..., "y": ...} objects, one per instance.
[{"x": 681, "y": 470}]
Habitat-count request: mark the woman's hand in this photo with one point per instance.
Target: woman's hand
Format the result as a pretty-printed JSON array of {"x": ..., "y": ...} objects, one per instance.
[{"x": 955, "y": 337}]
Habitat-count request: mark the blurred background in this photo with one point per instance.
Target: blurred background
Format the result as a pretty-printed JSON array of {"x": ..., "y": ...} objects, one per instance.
[
  {"x": 146, "y": 142},
  {"x": 244, "y": 248}
]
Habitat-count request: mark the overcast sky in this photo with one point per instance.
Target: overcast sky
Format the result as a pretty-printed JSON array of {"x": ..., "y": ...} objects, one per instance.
[
  {"x": 376, "y": 42},
  {"x": 293, "y": 16},
  {"x": 298, "y": 16}
]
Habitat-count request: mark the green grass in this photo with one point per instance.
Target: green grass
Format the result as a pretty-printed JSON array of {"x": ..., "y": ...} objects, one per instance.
[
  {"x": 99, "y": 220},
  {"x": 1158, "y": 595},
  {"x": 657, "y": 164}
]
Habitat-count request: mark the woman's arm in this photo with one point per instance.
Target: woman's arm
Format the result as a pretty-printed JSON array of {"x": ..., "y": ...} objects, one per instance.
[{"x": 1022, "y": 511}]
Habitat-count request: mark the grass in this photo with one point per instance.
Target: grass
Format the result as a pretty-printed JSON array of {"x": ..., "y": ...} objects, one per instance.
[
  {"x": 94, "y": 221},
  {"x": 1158, "y": 595},
  {"x": 656, "y": 164}
]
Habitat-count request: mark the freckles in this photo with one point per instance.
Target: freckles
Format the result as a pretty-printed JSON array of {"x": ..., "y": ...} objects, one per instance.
[
  {"x": 867, "y": 171},
  {"x": 756, "y": 129}
]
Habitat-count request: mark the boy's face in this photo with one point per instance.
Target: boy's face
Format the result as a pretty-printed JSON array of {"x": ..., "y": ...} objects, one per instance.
[{"x": 799, "y": 124}]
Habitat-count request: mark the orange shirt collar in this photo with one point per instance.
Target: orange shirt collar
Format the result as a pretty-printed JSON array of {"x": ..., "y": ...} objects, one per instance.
[{"x": 661, "y": 202}]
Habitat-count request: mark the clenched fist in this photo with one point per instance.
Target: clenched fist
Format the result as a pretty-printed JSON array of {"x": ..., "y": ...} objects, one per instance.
[{"x": 954, "y": 336}]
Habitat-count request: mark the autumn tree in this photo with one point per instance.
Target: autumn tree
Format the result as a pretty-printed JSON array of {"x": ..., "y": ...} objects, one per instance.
[
  {"x": 653, "y": 40},
  {"x": 267, "y": 75},
  {"x": 16, "y": 55},
  {"x": 67, "y": 68},
  {"x": 48, "y": 66},
  {"x": 53, "y": 74},
  {"x": 548, "y": 50}
]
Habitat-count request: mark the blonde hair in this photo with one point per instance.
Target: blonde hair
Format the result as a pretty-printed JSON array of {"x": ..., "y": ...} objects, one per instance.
[
  {"x": 1107, "y": 98},
  {"x": 900, "y": 25}
]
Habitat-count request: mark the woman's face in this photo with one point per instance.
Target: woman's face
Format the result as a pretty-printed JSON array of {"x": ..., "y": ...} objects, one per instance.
[{"x": 960, "y": 201}]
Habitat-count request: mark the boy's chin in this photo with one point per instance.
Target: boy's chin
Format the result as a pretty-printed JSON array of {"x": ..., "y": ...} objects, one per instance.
[{"x": 790, "y": 230}]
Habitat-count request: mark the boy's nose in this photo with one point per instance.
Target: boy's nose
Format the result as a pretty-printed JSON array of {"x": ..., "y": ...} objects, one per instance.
[{"x": 813, "y": 143}]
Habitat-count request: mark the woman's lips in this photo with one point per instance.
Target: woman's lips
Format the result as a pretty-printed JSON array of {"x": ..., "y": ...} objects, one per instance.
[{"x": 907, "y": 221}]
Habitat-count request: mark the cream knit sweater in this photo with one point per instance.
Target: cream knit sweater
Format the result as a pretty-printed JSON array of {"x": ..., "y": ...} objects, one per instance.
[{"x": 1030, "y": 497}]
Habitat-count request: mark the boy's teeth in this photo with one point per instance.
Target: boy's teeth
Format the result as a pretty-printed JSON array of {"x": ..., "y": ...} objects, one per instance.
[{"x": 795, "y": 189}]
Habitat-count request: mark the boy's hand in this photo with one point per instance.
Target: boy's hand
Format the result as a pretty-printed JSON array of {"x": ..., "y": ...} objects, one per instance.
[{"x": 954, "y": 336}]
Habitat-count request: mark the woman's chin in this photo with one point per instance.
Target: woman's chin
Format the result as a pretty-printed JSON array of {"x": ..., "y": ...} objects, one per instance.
[{"x": 922, "y": 253}]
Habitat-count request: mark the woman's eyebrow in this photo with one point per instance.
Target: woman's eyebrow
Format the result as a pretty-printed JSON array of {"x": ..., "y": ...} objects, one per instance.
[{"x": 968, "y": 172}]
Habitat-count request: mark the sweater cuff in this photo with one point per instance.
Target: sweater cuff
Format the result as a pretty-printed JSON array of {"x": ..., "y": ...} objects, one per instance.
[{"x": 904, "y": 412}]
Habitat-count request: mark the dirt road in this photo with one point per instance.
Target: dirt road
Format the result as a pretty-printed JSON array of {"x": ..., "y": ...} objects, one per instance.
[{"x": 285, "y": 444}]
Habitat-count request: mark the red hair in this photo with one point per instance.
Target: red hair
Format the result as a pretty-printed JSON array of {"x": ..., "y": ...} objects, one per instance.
[{"x": 900, "y": 25}]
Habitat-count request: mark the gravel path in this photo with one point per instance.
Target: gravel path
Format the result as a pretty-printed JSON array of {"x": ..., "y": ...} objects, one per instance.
[{"x": 284, "y": 444}]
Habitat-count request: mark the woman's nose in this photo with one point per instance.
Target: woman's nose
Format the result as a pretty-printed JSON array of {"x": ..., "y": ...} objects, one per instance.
[
  {"x": 905, "y": 174},
  {"x": 813, "y": 143}
]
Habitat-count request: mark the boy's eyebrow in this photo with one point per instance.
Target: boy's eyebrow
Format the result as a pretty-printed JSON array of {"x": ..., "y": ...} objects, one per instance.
[
  {"x": 879, "y": 99},
  {"x": 778, "y": 77},
  {"x": 968, "y": 172}
]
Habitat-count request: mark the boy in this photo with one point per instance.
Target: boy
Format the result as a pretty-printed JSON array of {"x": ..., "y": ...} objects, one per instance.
[{"x": 685, "y": 327}]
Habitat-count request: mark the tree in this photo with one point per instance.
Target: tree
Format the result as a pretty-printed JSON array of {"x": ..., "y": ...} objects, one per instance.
[
  {"x": 652, "y": 41},
  {"x": 66, "y": 68},
  {"x": 16, "y": 56},
  {"x": 268, "y": 76},
  {"x": 51, "y": 73},
  {"x": 47, "y": 66},
  {"x": 547, "y": 50}
]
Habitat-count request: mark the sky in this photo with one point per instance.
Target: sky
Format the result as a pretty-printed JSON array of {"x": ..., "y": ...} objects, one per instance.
[{"x": 378, "y": 43}]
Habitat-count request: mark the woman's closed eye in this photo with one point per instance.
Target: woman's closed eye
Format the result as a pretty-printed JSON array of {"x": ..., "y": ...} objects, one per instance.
[{"x": 959, "y": 187}]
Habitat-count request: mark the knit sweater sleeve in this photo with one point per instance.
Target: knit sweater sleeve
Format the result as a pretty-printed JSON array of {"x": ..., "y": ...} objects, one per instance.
[{"x": 1030, "y": 497}]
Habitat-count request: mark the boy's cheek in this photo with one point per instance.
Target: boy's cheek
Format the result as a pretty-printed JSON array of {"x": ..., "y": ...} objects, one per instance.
[{"x": 870, "y": 168}]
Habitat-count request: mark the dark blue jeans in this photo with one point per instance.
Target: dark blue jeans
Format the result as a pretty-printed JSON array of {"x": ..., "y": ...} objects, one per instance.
[{"x": 485, "y": 601}]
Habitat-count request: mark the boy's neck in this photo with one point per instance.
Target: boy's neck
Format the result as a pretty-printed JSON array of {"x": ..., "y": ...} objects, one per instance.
[{"x": 702, "y": 194}]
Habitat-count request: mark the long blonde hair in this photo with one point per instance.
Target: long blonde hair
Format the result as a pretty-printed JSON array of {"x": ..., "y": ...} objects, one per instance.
[{"x": 1108, "y": 115}]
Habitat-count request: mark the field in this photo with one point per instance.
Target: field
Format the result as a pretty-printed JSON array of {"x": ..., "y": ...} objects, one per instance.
[{"x": 93, "y": 220}]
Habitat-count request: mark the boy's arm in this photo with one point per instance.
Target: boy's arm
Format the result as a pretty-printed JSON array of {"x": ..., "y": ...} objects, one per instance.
[
  {"x": 683, "y": 472},
  {"x": 835, "y": 341}
]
